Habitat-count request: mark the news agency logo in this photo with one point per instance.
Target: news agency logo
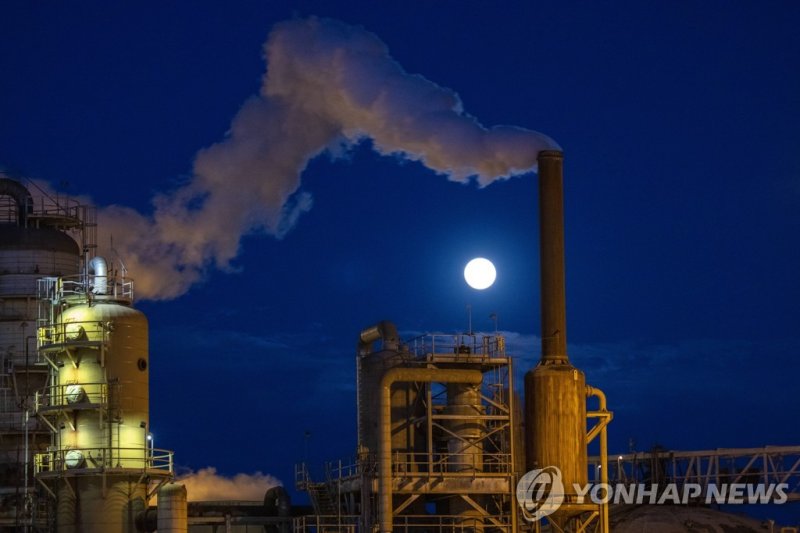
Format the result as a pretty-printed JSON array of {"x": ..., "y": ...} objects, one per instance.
[{"x": 540, "y": 493}]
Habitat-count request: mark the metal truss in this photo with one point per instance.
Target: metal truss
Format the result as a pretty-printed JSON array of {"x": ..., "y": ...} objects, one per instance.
[{"x": 747, "y": 466}]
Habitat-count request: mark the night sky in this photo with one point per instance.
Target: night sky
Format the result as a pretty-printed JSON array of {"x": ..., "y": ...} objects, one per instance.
[{"x": 680, "y": 123}]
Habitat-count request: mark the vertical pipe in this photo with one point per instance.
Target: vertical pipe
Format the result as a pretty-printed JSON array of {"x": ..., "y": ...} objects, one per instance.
[
  {"x": 407, "y": 375},
  {"x": 604, "y": 421},
  {"x": 551, "y": 244}
]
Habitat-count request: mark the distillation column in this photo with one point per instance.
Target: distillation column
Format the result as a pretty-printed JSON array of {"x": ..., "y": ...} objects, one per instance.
[
  {"x": 102, "y": 460},
  {"x": 464, "y": 444}
]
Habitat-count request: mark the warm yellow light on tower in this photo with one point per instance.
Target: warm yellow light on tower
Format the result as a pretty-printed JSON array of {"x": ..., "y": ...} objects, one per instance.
[{"x": 480, "y": 273}]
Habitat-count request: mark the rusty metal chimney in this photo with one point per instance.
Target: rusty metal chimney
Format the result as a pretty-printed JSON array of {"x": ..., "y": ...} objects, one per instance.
[
  {"x": 551, "y": 239},
  {"x": 555, "y": 391}
]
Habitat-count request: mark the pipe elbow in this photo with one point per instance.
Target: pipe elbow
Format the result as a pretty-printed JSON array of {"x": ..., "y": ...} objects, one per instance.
[
  {"x": 383, "y": 330},
  {"x": 597, "y": 393},
  {"x": 21, "y": 196}
]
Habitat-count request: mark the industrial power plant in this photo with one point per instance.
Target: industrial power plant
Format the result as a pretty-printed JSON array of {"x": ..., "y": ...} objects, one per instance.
[{"x": 446, "y": 438}]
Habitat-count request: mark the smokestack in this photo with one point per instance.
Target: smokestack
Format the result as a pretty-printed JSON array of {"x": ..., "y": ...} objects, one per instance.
[
  {"x": 551, "y": 257},
  {"x": 555, "y": 391}
]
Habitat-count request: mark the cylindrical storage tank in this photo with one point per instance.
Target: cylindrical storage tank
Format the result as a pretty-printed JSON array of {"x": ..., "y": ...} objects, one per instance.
[
  {"x": 556, "y": 405},
  {"x": 27, "y": 254},
  {"x": 99, "y": 508},
  {"x": 36, "y": 252},
  {"x": 172, "y": 509},
  {"x": 123, "y": 333},
  {"x": 106, "y": 366}
]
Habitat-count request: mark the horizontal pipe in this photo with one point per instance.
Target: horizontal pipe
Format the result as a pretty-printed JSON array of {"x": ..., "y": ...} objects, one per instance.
[{"x": 405, "y": 375}]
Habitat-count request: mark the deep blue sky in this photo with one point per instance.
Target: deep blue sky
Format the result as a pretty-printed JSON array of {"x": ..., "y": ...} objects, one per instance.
[{"x": 680, "y": 123}]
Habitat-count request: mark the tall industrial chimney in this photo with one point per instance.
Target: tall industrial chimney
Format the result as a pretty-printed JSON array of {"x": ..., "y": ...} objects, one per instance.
[
  {"x": 551, "y": 243},
  {"x": 555, "y": 391}
]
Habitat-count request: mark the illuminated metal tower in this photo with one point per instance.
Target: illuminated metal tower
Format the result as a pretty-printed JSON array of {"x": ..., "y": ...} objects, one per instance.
[{"x": 101, "y": 464}]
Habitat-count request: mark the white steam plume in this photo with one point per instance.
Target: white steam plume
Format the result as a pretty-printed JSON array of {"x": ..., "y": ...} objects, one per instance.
[
  {"x": 327, "y": 85},
  {"x": 207, "y": 485}
]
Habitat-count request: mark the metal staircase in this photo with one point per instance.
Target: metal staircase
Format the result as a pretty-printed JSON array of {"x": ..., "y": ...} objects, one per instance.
[{"x": 322, "y": 495}]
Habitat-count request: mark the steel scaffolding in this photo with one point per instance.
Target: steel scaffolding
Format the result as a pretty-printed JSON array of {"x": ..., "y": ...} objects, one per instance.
[{"x": 458, "y": 474}]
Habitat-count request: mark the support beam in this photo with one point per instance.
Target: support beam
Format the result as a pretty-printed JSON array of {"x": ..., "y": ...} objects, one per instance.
[{"x": 404, "y": 375}]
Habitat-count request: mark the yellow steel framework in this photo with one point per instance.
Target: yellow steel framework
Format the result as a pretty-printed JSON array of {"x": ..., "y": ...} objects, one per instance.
[{"x": 403, "y": 491}]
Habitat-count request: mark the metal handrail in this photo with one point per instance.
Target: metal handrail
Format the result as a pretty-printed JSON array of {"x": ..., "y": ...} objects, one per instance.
[
  {"x": 323, "y": 523},
  {"x": 492, "y": 464},
  {"x": 59, "y": 333},
  {"x": 344, "y": 470},
  {"x": 66, "y": 395},
  {"x": 118, "y": 287},
  {"x": 141, "y": 459},
  {"x": 403, "y": 522},
  {"x": 468, "y": 345},
  {"x": 63, "y": 207}
]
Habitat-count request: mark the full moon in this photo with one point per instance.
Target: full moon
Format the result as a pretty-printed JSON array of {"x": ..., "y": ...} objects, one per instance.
[{"x": 480, "y": 273}]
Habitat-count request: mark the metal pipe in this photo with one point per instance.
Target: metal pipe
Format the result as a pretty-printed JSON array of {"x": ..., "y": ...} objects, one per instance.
[
  {"x": 607, "y": 415},
  {"x": 22, "y": 197},
  {"x": 398, "y": 375},
  {"x": 98, "y": 268},
  {"x": 385, "y": 331},
  {"x": 367, "y": 376},
  {"x": 551, "y": 245}
]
